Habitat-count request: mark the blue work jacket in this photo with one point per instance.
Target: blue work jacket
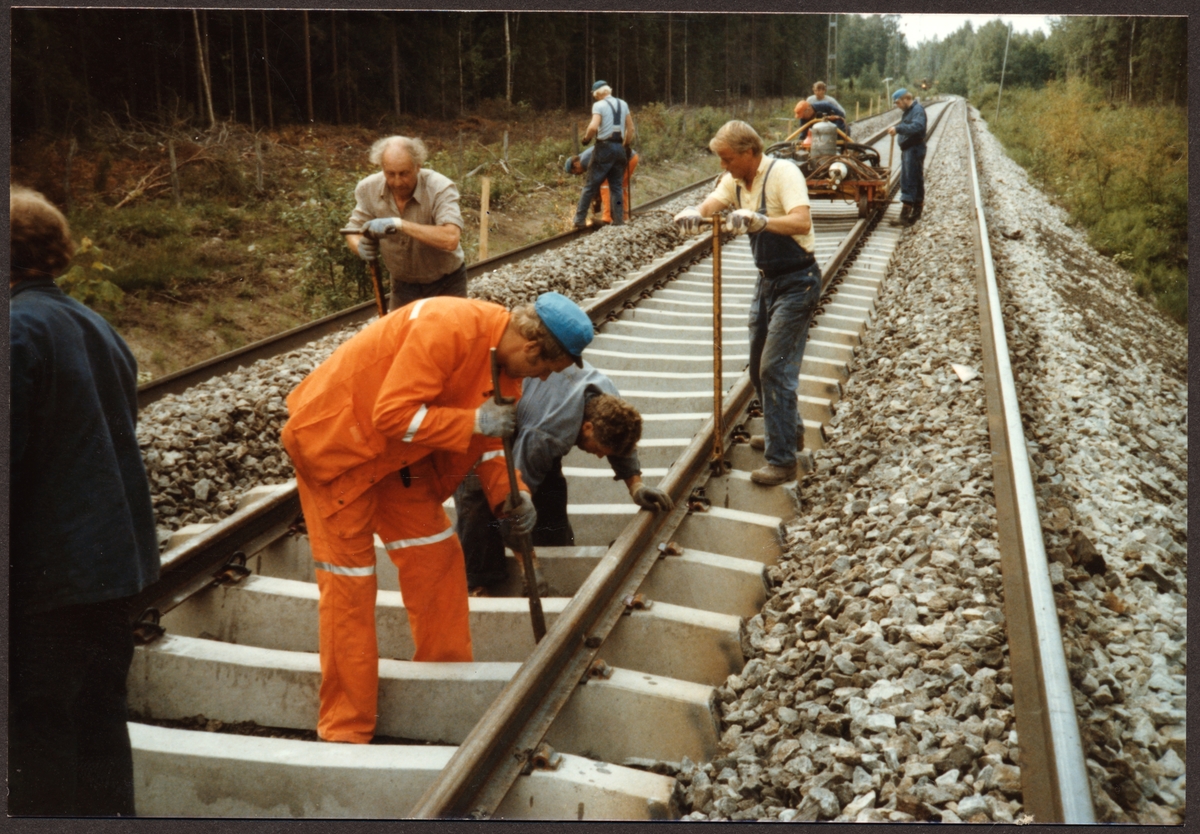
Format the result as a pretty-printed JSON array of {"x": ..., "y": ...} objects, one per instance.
[
  {"x": 911, "y": 127},
  {"x": 81, "y": 526}
]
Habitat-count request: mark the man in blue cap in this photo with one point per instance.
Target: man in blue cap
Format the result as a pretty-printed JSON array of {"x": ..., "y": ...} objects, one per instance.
[
  {"x": 612, "y": 128},
  {"x": 380, "y": 434},
  {"x": 911, "y": 130}
]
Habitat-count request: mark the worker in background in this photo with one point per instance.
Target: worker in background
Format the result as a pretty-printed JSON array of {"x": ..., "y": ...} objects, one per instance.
[
  {"x": 819, "y": 97},
  {"x": 415, "y": 212},
  {"x": 612, "y": 128},
  {"x": 579, "y": 165},
  {"x": 381, "y": 434},
  {"x": 578, "y": 407},
  {"x": 805, "y": 112},
  {"x": 910, "y": 131},
  {"x": 82, "y": 538},
  {"x": 770, "y": 201}
]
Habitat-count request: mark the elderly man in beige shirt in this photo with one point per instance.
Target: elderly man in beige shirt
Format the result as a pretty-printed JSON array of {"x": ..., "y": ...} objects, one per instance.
[{"x": 414, "y": 213}]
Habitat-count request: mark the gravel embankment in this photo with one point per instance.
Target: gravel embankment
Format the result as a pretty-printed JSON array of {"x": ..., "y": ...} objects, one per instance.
[
  {"x": 878, "y": 684},
  {"x": 1102, "y": 380},
  {"x": 207, "y": 446}
]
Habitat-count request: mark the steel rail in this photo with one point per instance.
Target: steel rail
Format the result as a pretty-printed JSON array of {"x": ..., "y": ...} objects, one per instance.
[
  {"x": 499, "y": 747},
  {"x": 1054, "y": 778},
  {"x": 181, "y": 380}
]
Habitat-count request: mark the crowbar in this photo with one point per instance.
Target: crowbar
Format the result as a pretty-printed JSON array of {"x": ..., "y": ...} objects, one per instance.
[
  {"x": 525, "y": 543},
  {"x": 376, "y": 275}
]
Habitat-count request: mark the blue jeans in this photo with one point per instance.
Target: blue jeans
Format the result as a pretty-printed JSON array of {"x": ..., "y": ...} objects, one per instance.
[
  {"x": 608, "y": 163},
  {"x": 912, "y": 175},
  {"x": 779, "y": 315}
]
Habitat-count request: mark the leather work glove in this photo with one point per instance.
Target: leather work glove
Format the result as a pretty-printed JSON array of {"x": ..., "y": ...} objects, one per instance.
[
  {"x": 689, "y": 220},
  {"x": 744, "y": 220},
  {"x": 517, "y": 522},
  {"x": 496, "y": 419},
  {"x": 652, "y": 498},
  {"x": 382, "y": 227},
  {"x": 368, "y": 249}
]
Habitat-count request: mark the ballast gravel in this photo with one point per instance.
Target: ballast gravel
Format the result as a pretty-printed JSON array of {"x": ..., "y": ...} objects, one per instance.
[{"x": 878, "y": 685}]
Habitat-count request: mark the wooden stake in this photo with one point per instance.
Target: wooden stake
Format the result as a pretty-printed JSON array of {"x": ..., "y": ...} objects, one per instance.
[
  {"x": 174, "y": 172},
  {"x": 258, "y": 166},
  {"x": 485, "y": 186}
]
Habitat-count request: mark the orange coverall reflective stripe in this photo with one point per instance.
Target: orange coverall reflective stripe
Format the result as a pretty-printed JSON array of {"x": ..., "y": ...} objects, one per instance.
[{"x": 401, "y": 394}]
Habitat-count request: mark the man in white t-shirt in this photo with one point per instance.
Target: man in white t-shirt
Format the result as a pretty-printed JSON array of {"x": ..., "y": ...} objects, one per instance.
[{"x": 770, "y": 201}]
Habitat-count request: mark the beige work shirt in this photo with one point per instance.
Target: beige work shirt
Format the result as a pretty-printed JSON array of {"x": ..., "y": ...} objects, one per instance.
[
  {"x": 786, "y": 189},
  {"x": 434, "y": 203}
]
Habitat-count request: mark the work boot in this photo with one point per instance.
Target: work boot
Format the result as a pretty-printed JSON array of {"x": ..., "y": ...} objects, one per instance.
[
  {"x": 915, "y": 215},
  {"x": 905, "y": 212},
  {"x": 772, "y": 475},
  {"x": 758, "y": 442}
]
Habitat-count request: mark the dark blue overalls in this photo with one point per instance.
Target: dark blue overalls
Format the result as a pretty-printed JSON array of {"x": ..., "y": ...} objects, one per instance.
[
  {"x": 608, "y": 162},
  {"x": 785, "y": 295}
]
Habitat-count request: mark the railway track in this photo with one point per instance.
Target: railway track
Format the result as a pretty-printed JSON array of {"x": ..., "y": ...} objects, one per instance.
[{"x": 646, "y": 622}]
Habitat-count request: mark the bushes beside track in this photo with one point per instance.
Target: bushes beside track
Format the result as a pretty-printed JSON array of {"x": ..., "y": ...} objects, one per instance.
[{"x": 1120, "y": 170}]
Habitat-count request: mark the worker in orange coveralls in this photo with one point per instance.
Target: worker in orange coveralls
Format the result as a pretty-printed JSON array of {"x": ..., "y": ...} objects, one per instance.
[{"x": 381, "y": 433}]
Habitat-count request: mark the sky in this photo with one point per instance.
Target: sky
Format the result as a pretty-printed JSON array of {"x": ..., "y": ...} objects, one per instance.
[{"x": 923, "y": 27}]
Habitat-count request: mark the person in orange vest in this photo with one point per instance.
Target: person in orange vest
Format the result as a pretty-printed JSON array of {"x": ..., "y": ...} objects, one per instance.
[
  {"x": 578, "y": 165},
  {"x": 380, "y": 435}
]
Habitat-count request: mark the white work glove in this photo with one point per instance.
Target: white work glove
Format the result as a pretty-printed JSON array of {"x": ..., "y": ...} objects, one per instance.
[
  {"x": 689, "y": 220},
  {"x": 496, "y": 419},
  {"x": 652, "y": 498},
  {"x": 368, "y": 249},
  {"x": 517, "y": 522},
  {"x": 744, "y": 220},
  {"x": 382, "y": 227}
]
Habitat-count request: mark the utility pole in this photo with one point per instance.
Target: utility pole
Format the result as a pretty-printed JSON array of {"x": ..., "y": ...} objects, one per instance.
[
  {"x": 1003, "y": 67},
  {"x": 831, "y": 57}
]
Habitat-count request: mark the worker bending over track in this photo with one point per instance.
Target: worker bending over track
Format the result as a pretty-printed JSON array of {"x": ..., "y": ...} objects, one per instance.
[
  {"x": 770, "y": 198},
  {"x": 579, "y": 165},
  {"x": 577, "y": 407},
  {"x": 381, "y": 433}
]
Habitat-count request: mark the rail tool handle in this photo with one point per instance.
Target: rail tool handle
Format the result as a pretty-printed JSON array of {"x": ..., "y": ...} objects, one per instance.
[
  {"x": 376, "y": 275},
  {"x": 526, "y": 544}
]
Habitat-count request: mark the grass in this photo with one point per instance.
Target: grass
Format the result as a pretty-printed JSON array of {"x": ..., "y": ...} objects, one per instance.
[{"x": 1119, "y": 170}]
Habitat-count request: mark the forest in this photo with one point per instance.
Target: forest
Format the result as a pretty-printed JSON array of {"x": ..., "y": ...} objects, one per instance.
[{"x": 268, "y": 114}]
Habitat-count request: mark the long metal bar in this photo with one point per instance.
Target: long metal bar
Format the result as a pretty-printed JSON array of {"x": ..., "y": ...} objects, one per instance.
[
  {"x": 718, "y": 447},
  {"x": 525, "y": 546},
  {"x": 1053, "y": 773}
]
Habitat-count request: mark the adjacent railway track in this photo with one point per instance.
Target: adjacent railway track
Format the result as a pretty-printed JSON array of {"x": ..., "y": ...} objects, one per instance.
[{"x": 647, "y": 618}]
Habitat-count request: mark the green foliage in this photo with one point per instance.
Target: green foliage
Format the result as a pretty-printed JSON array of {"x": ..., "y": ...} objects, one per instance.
[
  {"x": 1120, "y": 171},
  {"x": 331, "y": 276},
  {"x": 85, "y": 282}
]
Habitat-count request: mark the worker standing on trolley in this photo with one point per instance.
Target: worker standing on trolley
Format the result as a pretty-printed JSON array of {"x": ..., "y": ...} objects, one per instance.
[
  {"x": 612, "y": 128},
  {"x": 770, "y": 200},
  {"x": 911, "y": 133},
  {"x": 380, "y": 434},
  {"x": 413, "y": 213}
]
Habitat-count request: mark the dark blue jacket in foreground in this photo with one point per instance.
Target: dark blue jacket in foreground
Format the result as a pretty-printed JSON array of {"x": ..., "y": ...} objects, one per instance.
[
  {"x": 81, "y": 527},
  {"x": 911, "y": 127}
]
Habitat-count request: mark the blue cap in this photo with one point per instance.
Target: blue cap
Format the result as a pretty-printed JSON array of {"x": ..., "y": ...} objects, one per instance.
[
  {"x": 566, "y": 322},
  {"x": 896, "y": 95},
  {"x": 598, "y": 85},
  {"x": 569, "y": 164}
]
